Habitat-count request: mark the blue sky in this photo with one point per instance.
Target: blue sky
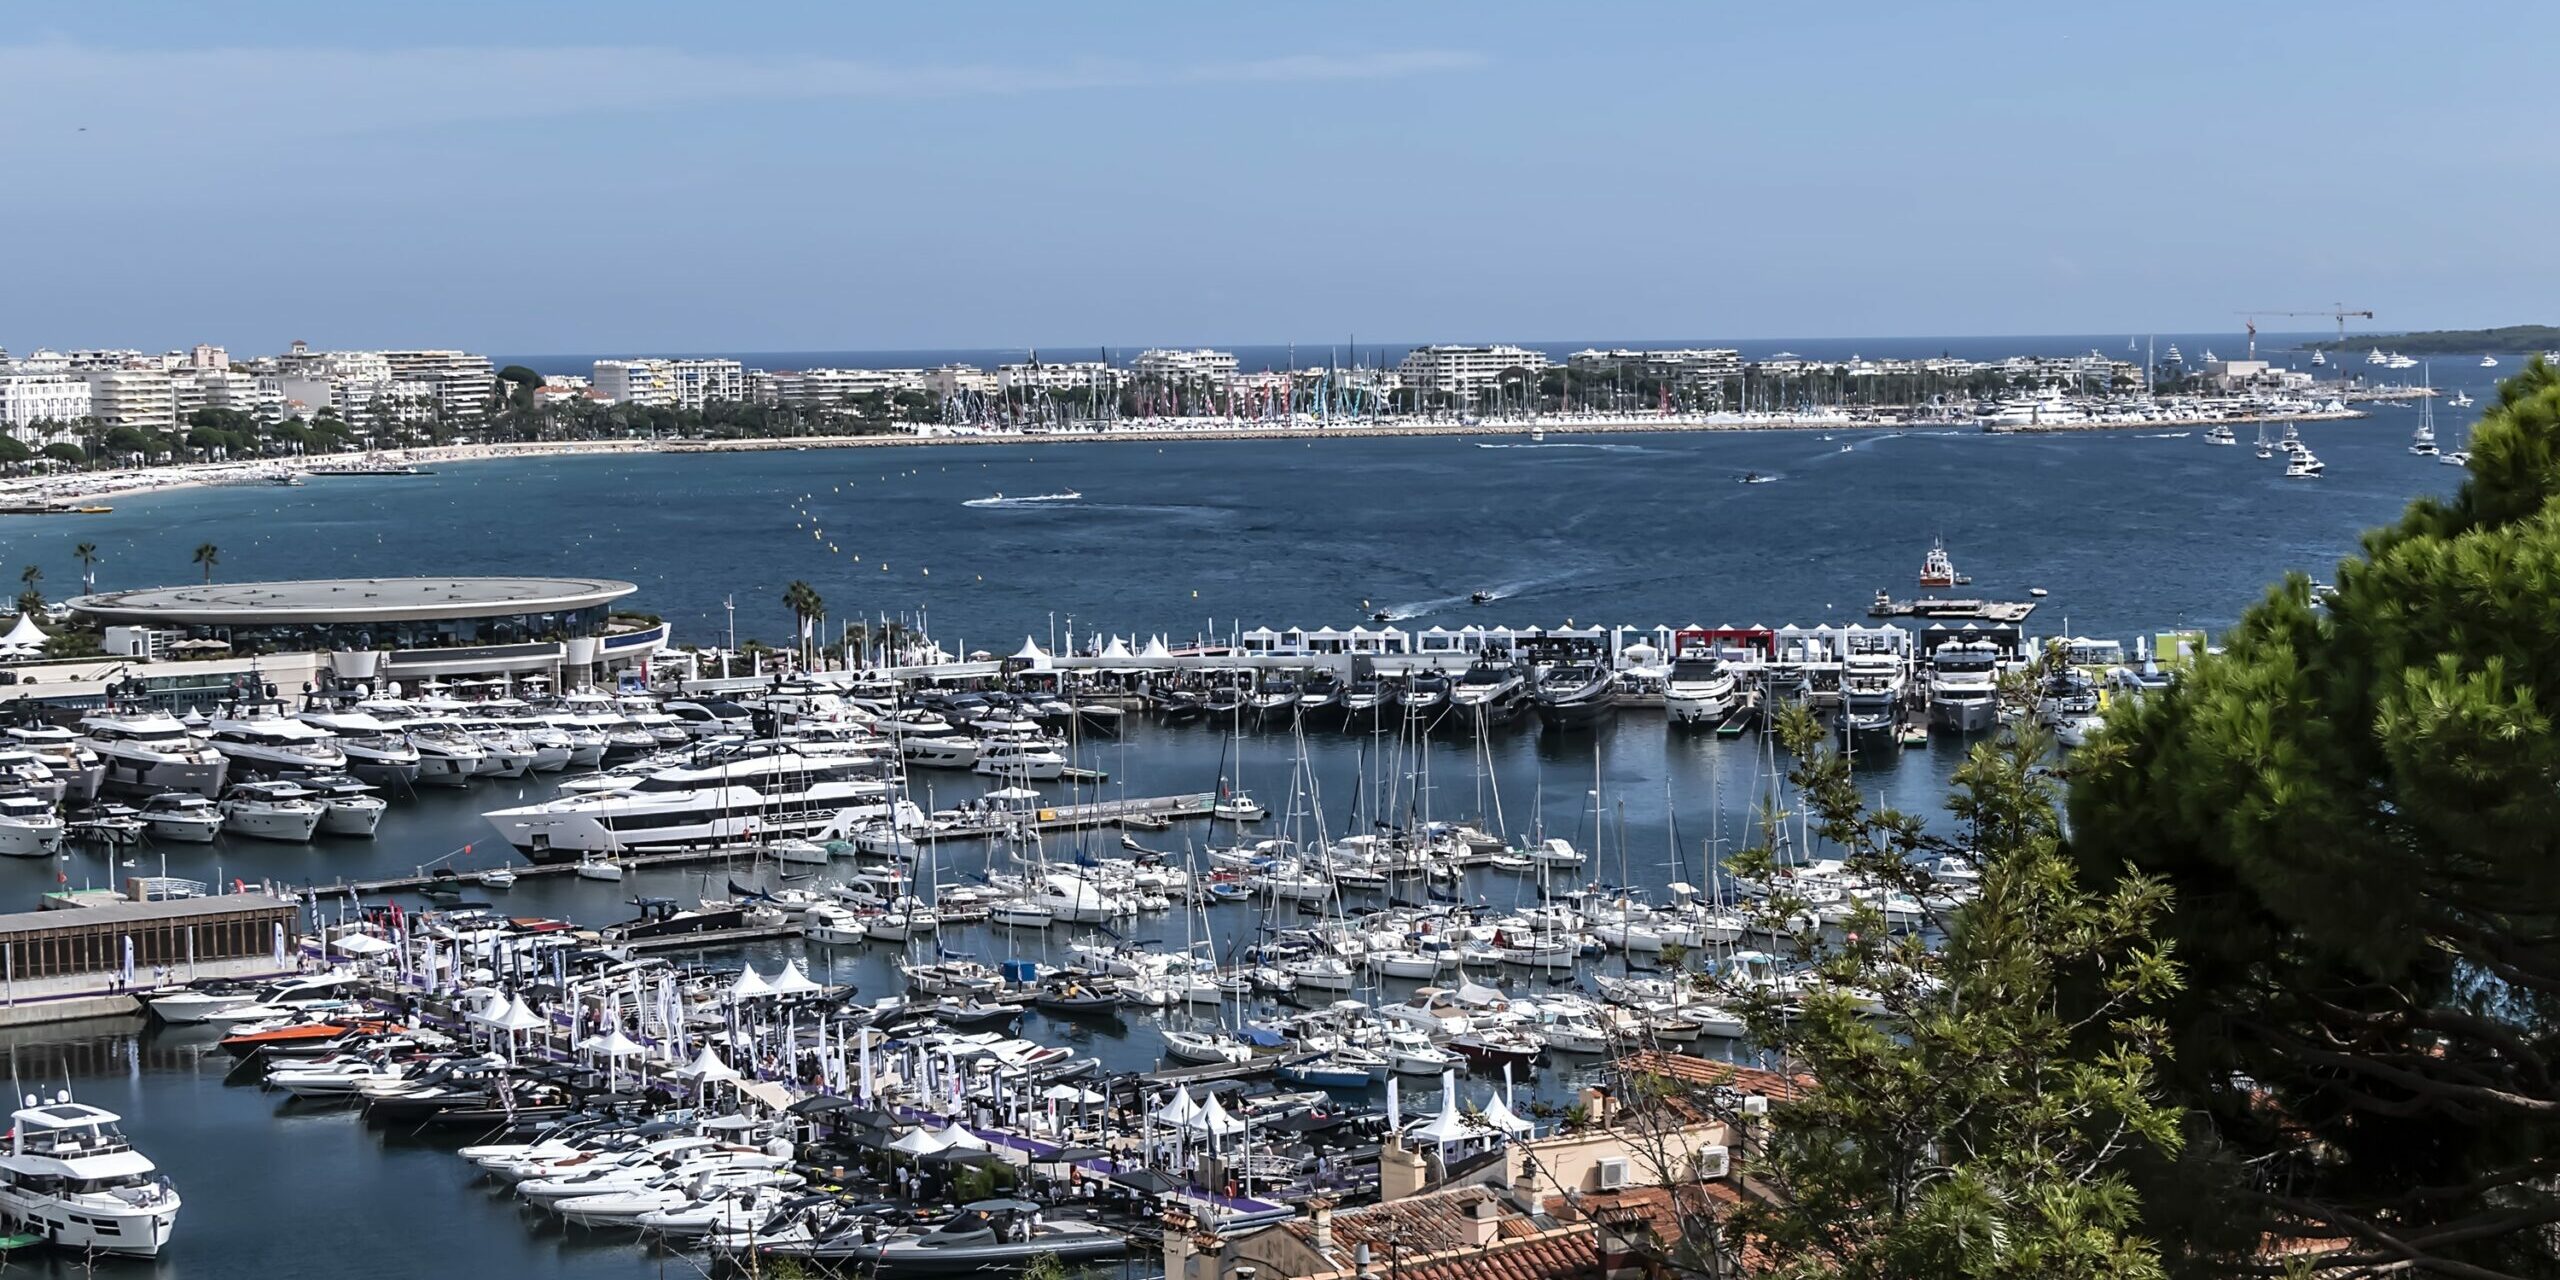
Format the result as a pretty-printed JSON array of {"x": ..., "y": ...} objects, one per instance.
[{"x": 532, "y": 177}]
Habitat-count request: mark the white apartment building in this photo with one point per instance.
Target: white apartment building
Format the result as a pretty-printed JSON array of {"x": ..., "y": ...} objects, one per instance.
[
  {"x": 1180, "y": 366},
  {"x": 1464, "y": 369},
  {"x": 671, "y": 384},
  {"x": 959, "y": 379},
  {"x": 1079, "y": 375},
  {"x": 463, "y": 382},
  {"x": 29, "y": 398},
  {"x": 146, "y": 397},
  {"x": 824, "y": 388}
]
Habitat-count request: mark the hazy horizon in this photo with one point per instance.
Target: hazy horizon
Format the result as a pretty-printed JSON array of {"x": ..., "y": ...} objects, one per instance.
[{"x": 646, "y": 176}]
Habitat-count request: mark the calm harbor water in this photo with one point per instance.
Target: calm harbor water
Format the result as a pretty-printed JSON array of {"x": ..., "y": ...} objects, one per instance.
[{"x": 2131, "y": 532}]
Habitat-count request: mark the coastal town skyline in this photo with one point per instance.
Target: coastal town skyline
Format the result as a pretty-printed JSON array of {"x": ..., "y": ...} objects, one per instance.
[{"x": 816, "y": 180}]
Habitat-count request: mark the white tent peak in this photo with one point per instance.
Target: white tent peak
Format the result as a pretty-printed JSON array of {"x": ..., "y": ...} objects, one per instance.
[
  {"x": 749, "y": 985},
  {"x": 793, "y": 982},
  {"x": 25, "y": 635}
]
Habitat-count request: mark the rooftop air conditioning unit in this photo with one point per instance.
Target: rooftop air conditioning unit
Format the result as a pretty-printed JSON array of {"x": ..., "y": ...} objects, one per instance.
[
  {"x": 1713, "y": 1162},
  {"x": 1612, "y": 1174}
]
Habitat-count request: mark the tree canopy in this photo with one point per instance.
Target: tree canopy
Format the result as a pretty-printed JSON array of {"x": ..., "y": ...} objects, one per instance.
[{"x": 2357, "y": 806}]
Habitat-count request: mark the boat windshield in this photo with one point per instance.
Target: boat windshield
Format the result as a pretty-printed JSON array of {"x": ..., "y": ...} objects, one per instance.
[{"x": 1696, "y": 669}]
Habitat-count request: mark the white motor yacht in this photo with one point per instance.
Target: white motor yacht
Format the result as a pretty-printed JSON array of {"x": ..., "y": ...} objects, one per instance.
[
  {"x": 78, "y": 765},
  {"x": 509, "y": 754},
  {"x": 1701, "y": 689},
  {"x": 24, "y": 769},
  {"x": 262, "y": 743},
  {"x": 447, "y": 757},
  {"x": 71, "y": 1177},
  {"x": 29, "y": 827},
  {"x": 149, "y": 751},
  {"x": 2303, "y": 466},
  {"x": 181, "y": 815},
  {"x": 272, "y": 811},
  {"x": 375, "y": 751},
  {"x": 1022, "y": 759},
  {"x": 1964, "y": 685},
  {"x": 760, "y": 792},
  {"x": 349, "y": 807}
]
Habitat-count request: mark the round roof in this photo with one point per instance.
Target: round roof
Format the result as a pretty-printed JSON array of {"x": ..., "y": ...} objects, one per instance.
[{"x": 334, "y": 600}]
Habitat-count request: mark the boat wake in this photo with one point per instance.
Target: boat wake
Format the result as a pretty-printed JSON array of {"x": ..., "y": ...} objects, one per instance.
[
  {"x": 1028, "y": 500},
  {"x": 1487, "y": 595},
  {"x": 2169, "y": 435}
]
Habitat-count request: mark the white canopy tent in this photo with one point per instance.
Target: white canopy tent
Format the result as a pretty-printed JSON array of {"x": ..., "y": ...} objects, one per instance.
[
  {"x": 750, "y": 985},
  {"x": 707, "y": 1067},
  {"x": 794, "y": 982}
]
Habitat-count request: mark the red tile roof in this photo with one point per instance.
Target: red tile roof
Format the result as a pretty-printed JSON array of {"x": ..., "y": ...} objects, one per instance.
[
  {"x": 1704, "y": 1071},
  {"x": 1557, "y": 1255}
]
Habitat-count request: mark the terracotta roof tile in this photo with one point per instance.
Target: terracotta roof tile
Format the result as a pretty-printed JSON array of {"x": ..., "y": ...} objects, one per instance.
[{"x": 1703, "y": 1071}]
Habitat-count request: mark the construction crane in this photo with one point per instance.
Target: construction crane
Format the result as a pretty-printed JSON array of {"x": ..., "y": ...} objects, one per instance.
[{"x": 2337, "y": 311}]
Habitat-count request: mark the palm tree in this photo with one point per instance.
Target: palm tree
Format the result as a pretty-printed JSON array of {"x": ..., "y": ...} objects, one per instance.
[
  {"x": 30, "y": 599},
  {"x": 87, "y": 554},
  {"x": 805, "y": 606},
  {"x": 208, "y": 555}
]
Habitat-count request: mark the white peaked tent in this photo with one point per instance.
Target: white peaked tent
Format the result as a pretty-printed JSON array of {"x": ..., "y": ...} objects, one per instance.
[
  {"x": 1155, "y": 648},
  {"x": 614, "y": 1044},
  {"x": 1498, "y": 1114},
  {"x": 1179, "y": 1109},
  {"x": 1032, "y": 653},
  {"x": 516, "y": 1016},
  {"x": 1446, "y": 1127},
  {"x": 1118, "y": 648},
  {"x": 954, "y": 1136},
  {"x": 749, "y": 985},
  {"x": 793, "y": 982},
  {"x": 25, "y": 635},
  {"x": 1213, "y": 1120},
  {"x": 917, "y": 1142},
  {"x": 707, "y": 1067}
]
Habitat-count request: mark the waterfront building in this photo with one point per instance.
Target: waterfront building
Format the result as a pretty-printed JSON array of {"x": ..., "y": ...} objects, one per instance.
[
  {"x": 1461, "y": 370},
  {"x": 463, "y": 382},
  {"x": 144, "y": 397},
  {"x": 833, "y": 388},
  {"x": 30, "y": 398},
  {"x": 375, "y": 629},
  {"x": 1173, "y": 365},
  {"x": 670, "y": 384},
  {"x": 959, "y": 379},
  {"x": 1077, "y": 375}
]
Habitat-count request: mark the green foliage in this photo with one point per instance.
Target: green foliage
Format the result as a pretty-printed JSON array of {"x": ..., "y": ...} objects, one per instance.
[
  {"x": 208, "y": 555},
  {"x": 65, "y": 451},
  {"x": 13, "y": 450},
  {"x": 2357, "y": 805},
  {"x": 1047, "y": 1266},
  {"x": 1959, "y": 1133},
  {"x": 2440, "y": 342},
  {"x": 72, "y": 644}
]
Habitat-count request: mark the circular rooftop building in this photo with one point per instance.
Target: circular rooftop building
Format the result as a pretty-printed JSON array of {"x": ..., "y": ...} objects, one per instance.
[
  {"x": 418, "y": 626},
  {"x": 342, "y": 601}
]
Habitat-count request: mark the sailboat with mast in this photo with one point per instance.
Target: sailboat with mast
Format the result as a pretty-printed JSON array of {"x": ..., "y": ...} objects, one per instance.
[{"x": 2423, "y": 442}]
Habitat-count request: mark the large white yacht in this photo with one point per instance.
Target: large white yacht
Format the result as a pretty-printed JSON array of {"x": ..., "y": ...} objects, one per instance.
[
  {"x": 375, "y": 751},
  {"x": 273, "y": 811},
  {"x": 1964, "y": 685},
  {"x": 73, "y": 761},
  {"x": 1871, "y": 693},
  {"x": 150, "y": 751},
  {"x": 71, "y": 1177},
  {"x": 260, "y": 742},
  {"x": 29, "y": 827},
  {"x": 758, "y": 791},
  {"x": 26, "y": 770},
  {"x": 1700, "y": 690}
]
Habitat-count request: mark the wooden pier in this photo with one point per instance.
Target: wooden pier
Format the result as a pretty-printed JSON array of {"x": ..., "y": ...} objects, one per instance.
[{"x": 1144, "y": 814}]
